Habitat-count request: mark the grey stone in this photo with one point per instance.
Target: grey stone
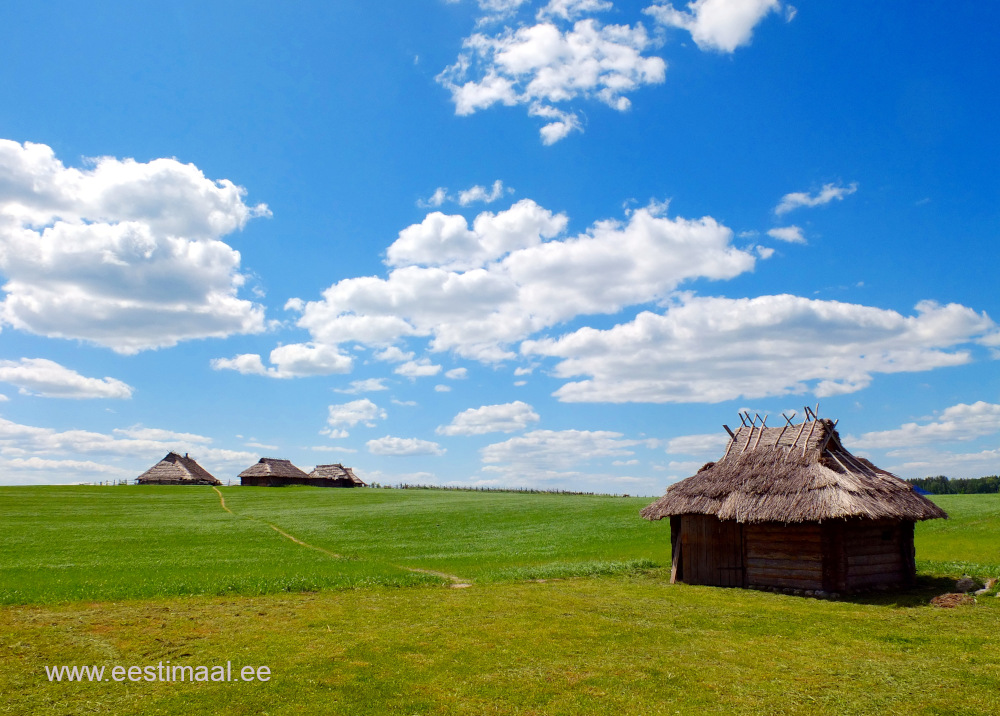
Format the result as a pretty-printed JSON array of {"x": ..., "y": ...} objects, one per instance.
[{"x": 965, "y": 584}]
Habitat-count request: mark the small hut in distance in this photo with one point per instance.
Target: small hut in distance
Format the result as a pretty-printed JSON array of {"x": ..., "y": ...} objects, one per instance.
[
  {"x": 790, "y": 507},
  {"x": 177, "y": 470},
  {"x": 273, "y": 472},
  {"x": 335, "y": 475}
]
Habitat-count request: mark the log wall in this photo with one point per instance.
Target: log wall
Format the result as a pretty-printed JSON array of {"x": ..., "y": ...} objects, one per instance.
[{"x": 784, "y": 555}]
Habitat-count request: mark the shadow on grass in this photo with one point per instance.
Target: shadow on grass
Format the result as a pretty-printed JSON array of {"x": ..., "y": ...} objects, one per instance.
[{"x": 926, "y": 588}]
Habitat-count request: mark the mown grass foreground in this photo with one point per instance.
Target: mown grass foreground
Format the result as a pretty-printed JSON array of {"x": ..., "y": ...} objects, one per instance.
[{"x": 625, "y": 643}]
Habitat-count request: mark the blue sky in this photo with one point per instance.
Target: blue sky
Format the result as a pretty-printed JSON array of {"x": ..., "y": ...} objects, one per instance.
[{"x": 501, "y": 242}]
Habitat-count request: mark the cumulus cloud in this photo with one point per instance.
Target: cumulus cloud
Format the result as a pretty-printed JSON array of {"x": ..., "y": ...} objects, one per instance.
[
  {"x": 541, "y": 451},
  {"x": 27, "y": 447},
  {"x": 403, "y": 447},
  {"x": 505, "y": 418},
  {"x": 721, "y": 25},
  {"x": 542, "y": 65},
  {"x": 792, "y": 234},
  {"x": 418, "y": 369},
  {"x": 447, "y": 241},
  {"x": 368, "y": 385},
  {"x": 829, "y": 192},
  {"x": 295, "y": 360},
  {"x": 960, "y": 422},
  {"x": 479, "y": 292},
  {"x": 572, "y": 9},
  {"x": 473, "y": 195},
  {"x": 457, "y": 373},
  {"x": 350, "y": 414},
  {"x": 48, "y": 379},
  {"x": 706, "y": 350},
  {"x": 123, "y": 254},
  {"x": 703, "y": 444}
]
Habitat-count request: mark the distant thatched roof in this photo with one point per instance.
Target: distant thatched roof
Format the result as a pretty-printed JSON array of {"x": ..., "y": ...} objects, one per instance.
[
  {"x": 177, "y": 470},
  {"x": 272, "y": 467},
  {"x": 798, "y": 473},
  {"x": 336, "y": 472}
]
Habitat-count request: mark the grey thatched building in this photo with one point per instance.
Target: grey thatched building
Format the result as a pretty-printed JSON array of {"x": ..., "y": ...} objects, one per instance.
[
  {"x": 177, "y": 470},
  {"x": 335, "y": 475},
  {"x": 791, "y": 507},
  {"x": 273, "y": 472}
]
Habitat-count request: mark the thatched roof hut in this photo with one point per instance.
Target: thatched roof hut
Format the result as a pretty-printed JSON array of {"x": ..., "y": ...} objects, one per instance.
[
  {"x": 272, "y": 472},
  {"x": 335, "y": 475},
  {"x": 177, "y": 470},
  {"x": 792, "y": 507}
]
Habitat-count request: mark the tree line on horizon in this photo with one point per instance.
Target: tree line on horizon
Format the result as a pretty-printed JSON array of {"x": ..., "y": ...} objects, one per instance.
[{"x": 941, "y": 485}]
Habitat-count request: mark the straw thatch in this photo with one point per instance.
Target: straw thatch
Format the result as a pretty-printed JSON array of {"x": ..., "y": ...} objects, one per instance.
[
  {"x": 799, "y": 473},
  {"x": 335, "y": 475},
  {"x": 268, "y": 467},
  {"x": 177, "y": 470}
]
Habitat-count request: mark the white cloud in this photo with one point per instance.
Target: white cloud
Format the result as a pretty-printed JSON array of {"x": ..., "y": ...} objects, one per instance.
[
  {"x": 472, "y": 195},
  {"x": 295, "y": 360},
  {"x": 436, "y": 199},
  {"x": 352, "y": 413},
  {"x": 368, "y": 385},
  {"x": 540, "y": 451},
  {"x": 137, "y": 446},
  {"x": 457, "y": 373},
  {"x": 123, "y": 254},
  {"x": 540, "y": 66},
  {"x": 137, "y": 432},
  {"x": 960, "y": 422},
  {"x": 479, "y": 193},
  {"x": 402, "y": 447},
  {"x": 393, "y": 354},
  {"x": 704, "y": 444},
  {"x": 706, "y": 350},
  {"x": 829, "y": 192},
  {"x": 440, "y": 388},
  {"x": 721, "y": 25},
  {"x": 446, "y": 241},
  {"x": 505, "y": 418},
  {"x": 481, "y": 311},
  {"x": 924, "y": 462},
  {"x": 418, "y": 369},
  {"x": 38, "y": 376},
  {"x": 572, "y": 9},
  {"x": 792, "y": 234}
]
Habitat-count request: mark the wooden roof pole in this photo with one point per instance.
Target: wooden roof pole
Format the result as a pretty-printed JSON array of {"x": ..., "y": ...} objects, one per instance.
[
  {"x": 783, "y": 428},
  {"x": 802, "y": 426},
  {"x": 763, "y": 424},
  {"x": 809, "y": 436},
  {"x": 828, "y": 436}
]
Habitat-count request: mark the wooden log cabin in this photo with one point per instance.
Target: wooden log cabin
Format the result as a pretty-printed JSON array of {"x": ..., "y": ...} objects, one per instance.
[{"x": 790, "y": 507}]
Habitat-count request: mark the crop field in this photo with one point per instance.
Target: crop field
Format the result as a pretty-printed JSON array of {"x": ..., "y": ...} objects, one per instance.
[{"x": 347, "y": 597}]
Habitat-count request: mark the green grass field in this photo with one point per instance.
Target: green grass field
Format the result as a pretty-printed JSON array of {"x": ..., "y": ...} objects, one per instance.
[{"x": 570, "y": 609}]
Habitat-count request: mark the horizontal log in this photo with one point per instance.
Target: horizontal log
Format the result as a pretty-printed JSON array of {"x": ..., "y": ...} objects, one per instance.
[
  {"x": 877, "y": 548},
  {"x": 798, "y": 544},
  {"x": 875, "y": 580},
  {"x": 782, "y": 539},
  {"x": 877, "y": 560},
  {"x": 758, "y": 552},
  {"x": 767, "y": 576},
  {"x": 782, "y": 531},
  {"x": 873, "y": 570},
  {"x": 778, "y": 581}
]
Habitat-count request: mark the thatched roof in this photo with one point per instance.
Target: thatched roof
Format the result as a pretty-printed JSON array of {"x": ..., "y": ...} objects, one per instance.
[
  {"x": 336, "y": 472},
  {"x": 272, "y": 467},
  {"x": 177, "y": 470},
  {"x": 797, "y": 473}
]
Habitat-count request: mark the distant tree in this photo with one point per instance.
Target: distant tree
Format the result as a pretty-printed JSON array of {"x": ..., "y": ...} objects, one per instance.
[{"x": 941, "y": 485}]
